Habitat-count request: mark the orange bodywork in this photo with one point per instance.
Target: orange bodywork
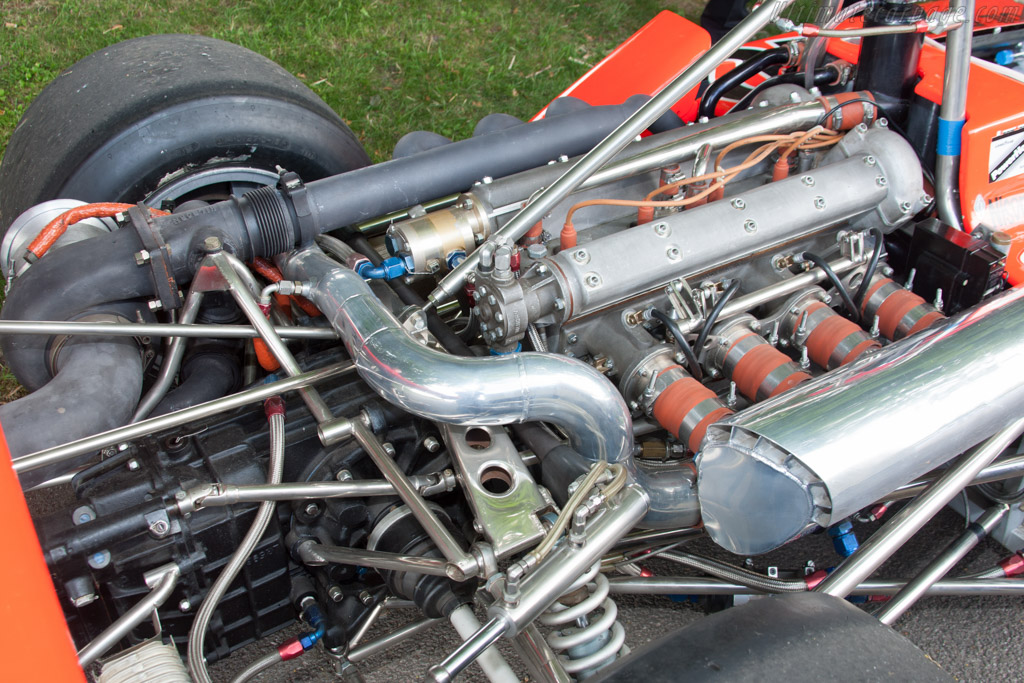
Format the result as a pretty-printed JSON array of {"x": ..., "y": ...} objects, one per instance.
[
  {"x": 995, "y": 101},
  {"x": 995, "y": 114},
  {"x": 34, "y": 642},
  {"x": 648, "y": 60}
]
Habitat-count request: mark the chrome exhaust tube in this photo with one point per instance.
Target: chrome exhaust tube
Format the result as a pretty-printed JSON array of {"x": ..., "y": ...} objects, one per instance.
[
  {"x": 816, "y": 454},
  {"x": 518, "y": 387}
]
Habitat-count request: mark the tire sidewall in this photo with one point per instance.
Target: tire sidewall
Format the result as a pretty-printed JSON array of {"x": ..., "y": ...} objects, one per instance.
[{"x": 224, "y": 131}]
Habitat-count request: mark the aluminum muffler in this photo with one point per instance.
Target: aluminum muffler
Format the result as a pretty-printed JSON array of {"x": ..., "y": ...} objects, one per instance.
[{"x": 816, "y": 454}]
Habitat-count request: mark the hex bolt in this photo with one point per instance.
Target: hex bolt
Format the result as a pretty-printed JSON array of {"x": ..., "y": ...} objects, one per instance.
[
  {"x": 366, "y": 597},
  {"x": 881, "y": 181},
  {"x": 487, "y": 180},
  {"x": 572, "y": 338},
  {"x": 343, "y": 475},
  {"x": 862, "y": 128},
  {"x": 819, "y": 202},
  {"x": 926, "y": 199},
  {"x": 133, "y": 465},
  {"x": 184, "y": 605},
  {"x": 738, "y": 203},
  {"x": 661, "y": 229},
  {"x": 807, "y": 180},
  {"x": 335, "y": 594},
  {"x": 559, "y": 304},
  {"x": 510, "y": 591},
  {"x": 750, "y": 225},
  {"x": 432, "y": 444},
  {"x": 580, "y": 255},
  {"x": 905, "y": 207},
  {"x": 212, "y": 244},
  {"x": 141, "y": 257},
  {"x": 673, "y": 252},
  {"x": 498, "y": 317},
  {"x": 592, "y": 280},
  {"x": 562, "y": 158},
  {"x": 389, "y": 449},
  {"x": 492, "y": 300},
  {"x": 870, "y": 160},
  {"x": 312, "y": 509},
  {"x": 155, "y": 305}
]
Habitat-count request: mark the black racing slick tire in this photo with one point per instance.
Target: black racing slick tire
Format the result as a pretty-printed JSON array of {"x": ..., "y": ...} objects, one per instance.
[{"x": 165, "y": 119}]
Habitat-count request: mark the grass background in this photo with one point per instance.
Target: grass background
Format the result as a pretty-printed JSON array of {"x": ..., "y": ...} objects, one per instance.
[{"x": 386, "y": 66}]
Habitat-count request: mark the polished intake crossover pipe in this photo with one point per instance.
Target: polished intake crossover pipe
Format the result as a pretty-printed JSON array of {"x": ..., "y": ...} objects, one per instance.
[
  {"x": 814, "y": 455},
  {"x": 518, "y": 387}
]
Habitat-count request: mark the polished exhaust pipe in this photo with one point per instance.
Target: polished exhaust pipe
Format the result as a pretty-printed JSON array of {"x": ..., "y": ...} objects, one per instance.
[
  {"x": 518, "y": 387},
  {"x": 816, "y": 454}
]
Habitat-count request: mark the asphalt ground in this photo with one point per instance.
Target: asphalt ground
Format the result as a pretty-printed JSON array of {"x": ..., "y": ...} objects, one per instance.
[{"x": 972, "y": 638}]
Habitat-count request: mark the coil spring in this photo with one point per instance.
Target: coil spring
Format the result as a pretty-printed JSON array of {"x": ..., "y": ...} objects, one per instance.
[{"x": 588, "y": 644}]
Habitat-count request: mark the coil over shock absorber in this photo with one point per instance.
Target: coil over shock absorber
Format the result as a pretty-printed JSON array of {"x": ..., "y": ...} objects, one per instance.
[{"x": 587, "y": 643}]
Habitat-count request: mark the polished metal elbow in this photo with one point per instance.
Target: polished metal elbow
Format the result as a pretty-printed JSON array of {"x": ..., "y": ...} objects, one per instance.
[{"x": 518, "y": 387}]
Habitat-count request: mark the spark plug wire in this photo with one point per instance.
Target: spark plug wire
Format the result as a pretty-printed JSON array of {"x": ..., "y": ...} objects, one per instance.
[{"x": 720, "y": 176}]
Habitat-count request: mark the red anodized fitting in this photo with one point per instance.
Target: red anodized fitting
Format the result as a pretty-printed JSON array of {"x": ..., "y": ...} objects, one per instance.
[
  {"x": 290, "y": 649},
  {"x": 273, "y": 406}
]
